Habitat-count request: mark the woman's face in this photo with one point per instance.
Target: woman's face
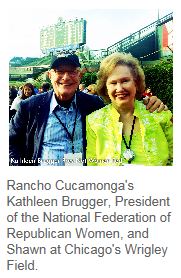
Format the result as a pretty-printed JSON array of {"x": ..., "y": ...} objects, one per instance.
[
  {"x": 27, "y": 91},
  {"x": 121, "y": 87}
]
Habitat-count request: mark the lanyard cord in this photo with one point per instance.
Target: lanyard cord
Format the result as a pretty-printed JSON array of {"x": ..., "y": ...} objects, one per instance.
[
  {"x": 131, "y": 135},
  {"x": 71, "y": 136},
  {"x": 128, "y": 146}
]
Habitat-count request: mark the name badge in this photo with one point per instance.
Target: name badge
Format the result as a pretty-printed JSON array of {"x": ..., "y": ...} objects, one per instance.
[{"x": 73, "y": 159}]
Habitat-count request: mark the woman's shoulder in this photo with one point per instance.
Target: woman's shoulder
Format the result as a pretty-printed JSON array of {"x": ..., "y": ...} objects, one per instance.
[
  {"x": 99, "y": 114},
  {"x": 163, "y": 117},
  {"x": 140, "y": 109}
]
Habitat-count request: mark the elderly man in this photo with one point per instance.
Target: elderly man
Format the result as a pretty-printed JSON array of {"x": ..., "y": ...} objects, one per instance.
[{"x": 49, "y": 129}]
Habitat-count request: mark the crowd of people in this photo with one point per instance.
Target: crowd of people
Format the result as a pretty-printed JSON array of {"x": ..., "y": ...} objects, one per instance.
[
  {"x": 23, "y": 92},
  {"x": 106, "y": 123}
]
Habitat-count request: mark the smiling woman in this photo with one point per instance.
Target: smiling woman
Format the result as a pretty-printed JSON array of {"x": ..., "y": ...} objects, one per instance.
[
  {"x": 124, "y": 132},
  {"x": 27, "y": 91}
]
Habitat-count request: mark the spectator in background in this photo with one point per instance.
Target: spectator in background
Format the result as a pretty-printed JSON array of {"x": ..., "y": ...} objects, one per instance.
[
  {"x": 45, "y": 87},
  {"x": 92, "y": 89},
  {"x": 36, "y": 91},
  {"x": 20, "y": 91},
  {"x": 83, "y": 88},
  {"x": 147, "y": 93},
  {"x": 27, "y": 91},
  {"x": 12, "y": 94}
]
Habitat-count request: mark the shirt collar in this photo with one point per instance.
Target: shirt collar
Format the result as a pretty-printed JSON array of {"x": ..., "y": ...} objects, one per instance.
[
  {"x": 137, "y": 110},
  {"x": 54, "y": 103}
]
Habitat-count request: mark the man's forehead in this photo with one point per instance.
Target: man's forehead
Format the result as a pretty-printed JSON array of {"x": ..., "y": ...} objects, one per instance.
[{"x": 66, "y": 67}]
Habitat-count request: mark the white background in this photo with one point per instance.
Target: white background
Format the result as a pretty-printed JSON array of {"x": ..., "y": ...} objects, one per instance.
[{"x": 161, "y": 181}]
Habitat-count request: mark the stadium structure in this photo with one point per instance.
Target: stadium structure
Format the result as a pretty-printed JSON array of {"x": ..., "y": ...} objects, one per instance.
[
  {"x": 151, "y": 43},
  {"x": 65, "y": 35}
]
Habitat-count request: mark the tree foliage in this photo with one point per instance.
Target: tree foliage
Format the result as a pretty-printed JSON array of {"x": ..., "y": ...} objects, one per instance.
[
  {"x": 159, "y": 78},
  {"x": 89, "y": 78}
]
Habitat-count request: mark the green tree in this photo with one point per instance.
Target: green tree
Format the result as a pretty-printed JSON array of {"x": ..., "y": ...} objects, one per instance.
[
  {"x": 89, "y": 78},
  {"x": 159, "y": 78}
]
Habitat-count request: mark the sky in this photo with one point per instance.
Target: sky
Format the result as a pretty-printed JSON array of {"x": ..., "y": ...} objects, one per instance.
[{"x": 104, "y": 26}]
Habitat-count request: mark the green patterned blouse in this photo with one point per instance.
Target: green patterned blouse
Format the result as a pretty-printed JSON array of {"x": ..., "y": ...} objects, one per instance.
[{"x": 153, "y": 146}]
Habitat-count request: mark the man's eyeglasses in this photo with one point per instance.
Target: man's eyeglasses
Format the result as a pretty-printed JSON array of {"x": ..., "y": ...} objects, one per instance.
[{"x": 71, "y": 73}]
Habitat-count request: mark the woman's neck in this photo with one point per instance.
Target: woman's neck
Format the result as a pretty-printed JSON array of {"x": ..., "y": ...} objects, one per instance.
[{"x": 125, "y": 111}]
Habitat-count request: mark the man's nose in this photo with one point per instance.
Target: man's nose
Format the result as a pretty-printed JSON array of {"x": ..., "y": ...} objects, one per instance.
[{"x": 65, "y": 75}]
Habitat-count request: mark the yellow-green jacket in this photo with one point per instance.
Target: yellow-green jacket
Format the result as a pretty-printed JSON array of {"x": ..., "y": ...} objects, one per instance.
[{"x": 104, "y": 136}]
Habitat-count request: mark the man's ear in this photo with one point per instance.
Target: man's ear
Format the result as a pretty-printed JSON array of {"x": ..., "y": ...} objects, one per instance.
[
  {"x": 81, "y": 74},
  {"x": 82, "y": 71},
  {"x": 49, "y": 74}
]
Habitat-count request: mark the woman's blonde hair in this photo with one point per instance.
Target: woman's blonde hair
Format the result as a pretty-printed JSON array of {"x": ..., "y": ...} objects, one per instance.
[{"x": 108, "y": 65}]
